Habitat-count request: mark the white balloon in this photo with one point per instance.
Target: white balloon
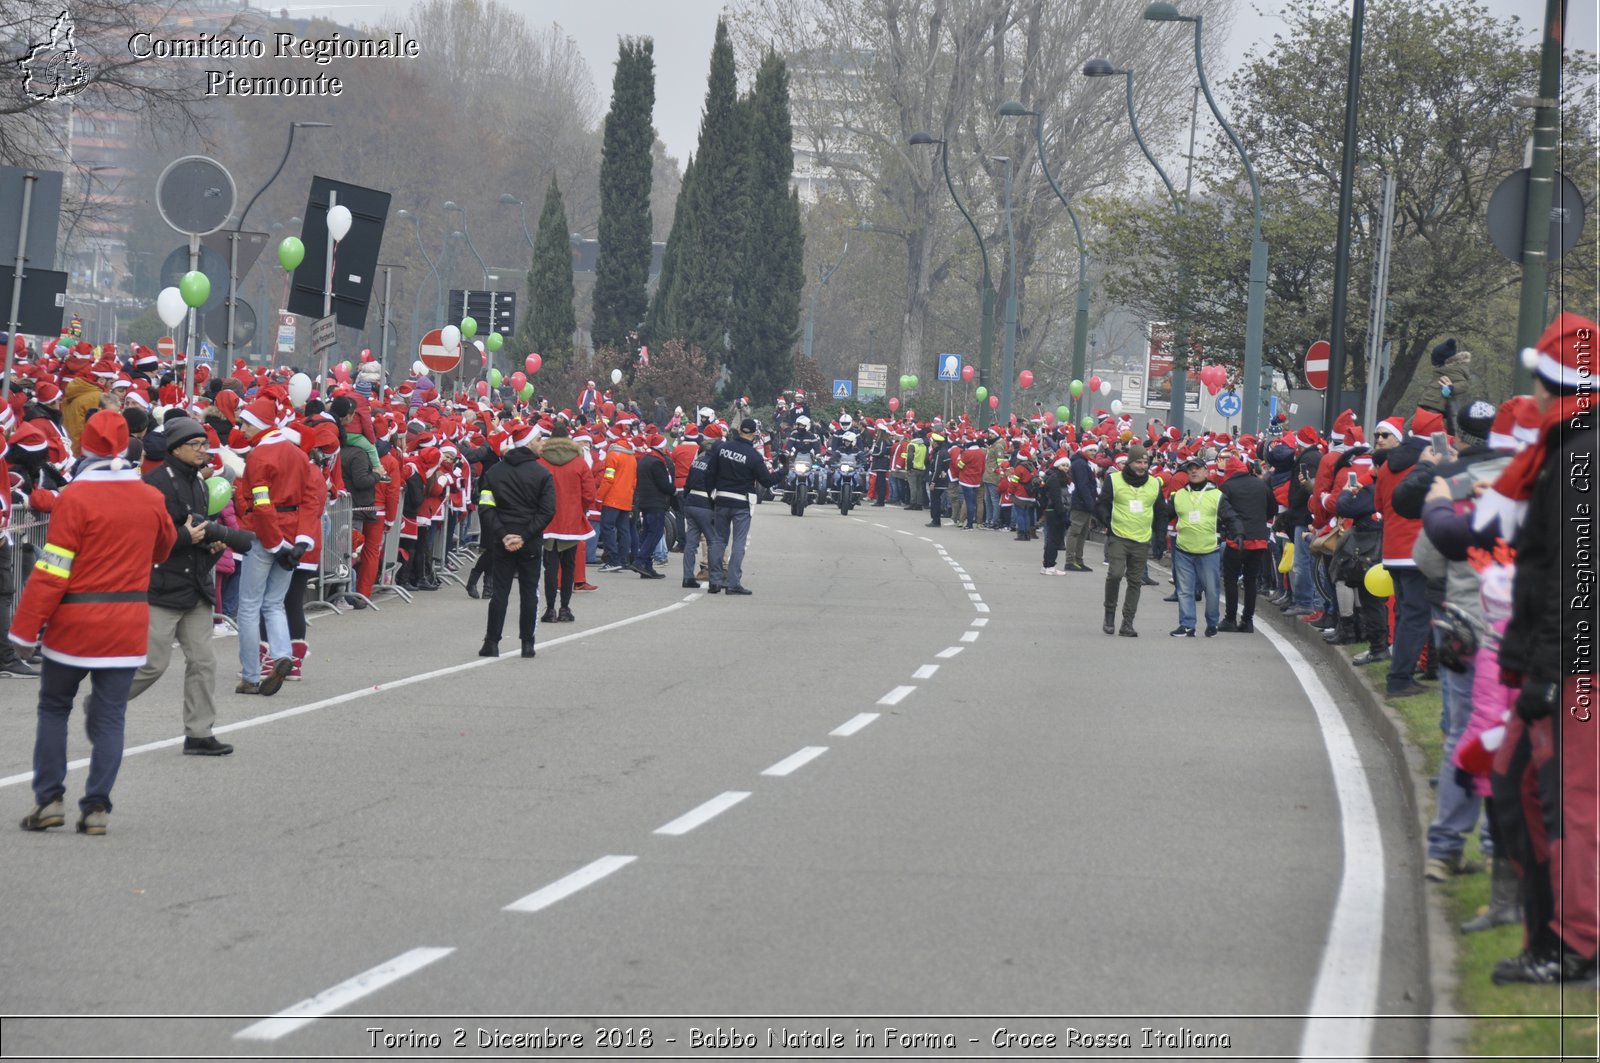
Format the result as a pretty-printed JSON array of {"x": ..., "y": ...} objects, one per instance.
[
  {"x": 299, "y": 389},
  {"x": 1116, "y": 406},
  {"x": 478, "y": 344},
  {"x": 450, "y": 336},
  {"x": 616, "y": 375},
  {"x": 171, "y": 307},
  {"x": 1105, "y": 387},
  {"x": 418, "y": 369},
  {"x": 339, "y": 221}
]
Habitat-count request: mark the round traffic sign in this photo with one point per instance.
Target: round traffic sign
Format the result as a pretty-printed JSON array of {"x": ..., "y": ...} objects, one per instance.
[
  {"x": 435, "y": 355},
  {"x": 166, "y": 347},
  {"x": 1229, "y": 404},
  {"x": 195, "y": 195},
  {"x": 1317, "y": 364},
  {"x": 1508, "y": 210}
]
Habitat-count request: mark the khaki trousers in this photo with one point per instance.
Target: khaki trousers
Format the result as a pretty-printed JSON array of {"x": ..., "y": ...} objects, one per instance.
[{"x": 191, "y": 629}]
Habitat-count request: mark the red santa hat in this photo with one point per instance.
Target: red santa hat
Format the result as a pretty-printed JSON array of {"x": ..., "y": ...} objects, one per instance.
[
  {"x": 1425, "y": 422},
  {"x": 30, "y": 438},
  {"x": 261, "y": 413},
  {"x": 1564, "y": 356},
  {"x": 105, "y": 436},
  {"x": 1392, "y": 426}
]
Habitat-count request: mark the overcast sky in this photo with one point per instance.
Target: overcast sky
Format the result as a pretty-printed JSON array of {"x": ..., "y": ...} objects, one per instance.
[{"x": 683, "y": 31}]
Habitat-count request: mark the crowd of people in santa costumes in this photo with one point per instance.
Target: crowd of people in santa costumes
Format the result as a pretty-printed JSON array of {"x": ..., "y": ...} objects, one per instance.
[{"x": 1456, "y": 504}]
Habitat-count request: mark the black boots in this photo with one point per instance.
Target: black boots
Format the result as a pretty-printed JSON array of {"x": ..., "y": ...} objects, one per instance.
[
  {"x": 527, "y": 647},
  {"x": 1110, "y": 626}
]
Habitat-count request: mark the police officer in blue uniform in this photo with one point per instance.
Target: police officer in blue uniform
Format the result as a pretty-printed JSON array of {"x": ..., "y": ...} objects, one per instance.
[{"x": 734, "y": 469}]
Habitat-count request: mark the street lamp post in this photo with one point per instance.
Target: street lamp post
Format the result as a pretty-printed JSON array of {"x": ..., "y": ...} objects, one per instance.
[
  {"x": 811, "y": 312},
  {"x": 987, "y": 296},
  {"x": 1255, "y": 313},
  {"x": 1099, "y": 68},
  {"x": 233, "y": 238},
  {"x": 467, "y": 233},
  {"x": 1080, "y": 320},
  {"x": 403, "y": 214},
  {"x": 1008, "y": 353},
  {"x": 522, "y": 212}
]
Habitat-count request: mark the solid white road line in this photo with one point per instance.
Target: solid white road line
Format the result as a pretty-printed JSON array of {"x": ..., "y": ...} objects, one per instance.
[
  {"x": 794, "y": 761},
  {"x": 949, "y": 652},
  {"x": 331, "y": 1000},
  {"x": 1345, "y": 995},
  {"x": 896, "y": 696},
  {"x": 925, "y": 672},
  {"x": 569, "y": 884},
  {"x": 708, "y": 811},
  {"x": 970, "y": 636},
  {"x": 982, "y": 621},
  {"x": 367, "y": 692},
  {"x": 854, "y": 724}
]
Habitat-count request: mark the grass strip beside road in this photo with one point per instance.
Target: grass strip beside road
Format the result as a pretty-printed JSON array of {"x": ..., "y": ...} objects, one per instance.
[{"x": 1508, "y": 1022}]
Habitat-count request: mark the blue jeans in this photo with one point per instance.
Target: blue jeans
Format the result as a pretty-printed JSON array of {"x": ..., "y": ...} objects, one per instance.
[
  {"x": 230, "y": 592},
  {"x": 616, "y": 535},
  {"x": 655, "y": 522},
  {"x": 1206, "y": 571},
  {"x": 591, "y": 545},
  {"x": 1021, "y": 517},
  {"x": 1411, "y": 625},
  {"x": 1301, "y": 582},
  {"x": 105, "y": 710},
  {"x": 991, "y": 505},
  {"x": 730, "y": 525},
  {"x": 969, "y": 499},
  {"x": 1457, "y": 810},
  {"x": 262, "y": 584},
  {"x": 697, "y": 526}
]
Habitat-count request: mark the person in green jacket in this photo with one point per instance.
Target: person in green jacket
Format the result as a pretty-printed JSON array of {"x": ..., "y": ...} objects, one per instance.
[
  {"x": 1132, "y": 508},
  {"x": 1205, "y": 520}
]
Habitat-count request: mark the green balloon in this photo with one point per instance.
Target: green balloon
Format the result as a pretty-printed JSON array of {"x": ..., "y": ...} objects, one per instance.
[
  {"x": 291, "y": 252},
  {"x": 346, "y": 364},
  {"x": 982, "y": 393},
  {"x": 526, "y": 393},
  {"x": 911, "y": 381},
  {"x": 469, "y": 327},
  {"x": 1087, "y": 424},
  {"x": 1077, "y": 389},
  {"x": 1063, "y": 413},
  {"x": 195, "y": 287},
  {"x": 495, "y": 341},
  {"x": 495, "y": 378},
  {"x": 219, "y": 492}
]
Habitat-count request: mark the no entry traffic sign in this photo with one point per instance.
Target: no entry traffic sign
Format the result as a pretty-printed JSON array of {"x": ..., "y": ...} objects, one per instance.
[
  {"x": 435, "y": 355},
  {"x": 1317, "y": 365},
  {"x": 166, "y": 347}
]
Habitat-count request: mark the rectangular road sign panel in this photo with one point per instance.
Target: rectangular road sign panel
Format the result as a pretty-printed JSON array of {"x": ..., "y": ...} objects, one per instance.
[
  {"x": 324, "y": 334},
  {"x": 286, "y": 333},
  {"x": 872, "y": 375}
]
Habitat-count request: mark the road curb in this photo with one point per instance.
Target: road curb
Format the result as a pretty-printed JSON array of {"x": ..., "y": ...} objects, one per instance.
[{"x": 1447, "y": 1028}]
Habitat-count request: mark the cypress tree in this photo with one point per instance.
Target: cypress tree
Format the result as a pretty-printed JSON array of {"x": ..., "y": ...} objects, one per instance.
[
  {"x": 622, "y": 269},
  {"x": 550, "y": 319},
  {"x": 662, "y": 323},
  {"x": 771, "y": 272},
  {"x": 702, "y": 301}
]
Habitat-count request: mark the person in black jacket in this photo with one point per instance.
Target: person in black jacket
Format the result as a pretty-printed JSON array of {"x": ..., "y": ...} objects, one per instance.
[
  {"x": 653, "y": 496},
  {"x": 1057, "y": 517},
  {"x": 1085, "y": 492},
  {"x": 517, "y": 500},
  {"x": 1255, "y": 507},
  {"x": 733, "y": 470},
  {"x": 938, "y": 476},
  {"x": 182, "y": 588}
]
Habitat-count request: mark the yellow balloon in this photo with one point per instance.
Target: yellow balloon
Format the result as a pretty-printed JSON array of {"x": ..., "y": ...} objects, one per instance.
[
  {"x": 1286, "y": 562},
  {"x": 1380, "y": 584}
]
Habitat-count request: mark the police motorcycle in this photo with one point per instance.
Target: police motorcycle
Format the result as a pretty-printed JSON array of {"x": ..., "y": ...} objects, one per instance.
[
  {"x": 844, "y": 467},
  {"x": 805, "y": 482}
]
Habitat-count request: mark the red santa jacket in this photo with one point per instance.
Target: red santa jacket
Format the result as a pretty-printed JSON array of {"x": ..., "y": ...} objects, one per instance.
[
  {"x": 88, "y": 594},
  {"x": 970, "y": 466},
  {"x": 313, "y": 503},
  {"x": 273, "y": 486},
  {"x": 575, "y": 490},
  {"x": 390, "y": 492}
]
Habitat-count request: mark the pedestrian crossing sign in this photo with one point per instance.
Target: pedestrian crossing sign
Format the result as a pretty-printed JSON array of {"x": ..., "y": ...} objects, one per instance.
[{"x": 841, "y": 389}]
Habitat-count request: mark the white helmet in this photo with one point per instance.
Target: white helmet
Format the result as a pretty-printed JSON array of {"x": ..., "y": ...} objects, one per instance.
[
  {"x": 844, "y": 420},
  {"x": 802, "y": 422}
]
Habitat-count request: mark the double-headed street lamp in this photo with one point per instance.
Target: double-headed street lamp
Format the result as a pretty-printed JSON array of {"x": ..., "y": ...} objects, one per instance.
[
  {"x": 1101, "y": 68},
  {"x": 1080, "y": 320},
  {"x": 507, "y": 200},
  {"x": 438, "y": 295},
  {"x": 986, "y": 332},
  {"x": 467, "y": 234},
  {"x": 1255, "y": 314}
]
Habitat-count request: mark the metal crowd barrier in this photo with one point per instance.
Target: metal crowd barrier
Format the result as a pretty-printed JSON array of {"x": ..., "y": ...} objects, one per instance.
[
  {"x": 335, "y": 577},
  {"x": 443, "y": 567},
  {"x": 27, "y": 543}
]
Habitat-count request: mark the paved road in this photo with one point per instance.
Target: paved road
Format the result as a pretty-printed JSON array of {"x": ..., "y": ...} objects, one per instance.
[{"x": 918, "y": 782}]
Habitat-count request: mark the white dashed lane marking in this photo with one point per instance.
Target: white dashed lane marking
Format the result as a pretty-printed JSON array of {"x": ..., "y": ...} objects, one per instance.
[
  {"x": 896, "y": 696},
  {"x": 925, "y": 672},
  {"x": 970, "y": 636},
  {"x": 706, "y": 812},
  {"x": 795, "y": 761},
  {"x": 854, "y": 724},
  {"x": 567, "y": 885},
  {"x": 348, "y": 992},
  {"x": 981, "y": 622},
  {"x": 949, "y": 651}
]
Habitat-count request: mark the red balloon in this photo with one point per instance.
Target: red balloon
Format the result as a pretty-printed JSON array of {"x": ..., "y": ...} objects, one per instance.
[
  {"x": 1025, "y": 378},
  {"x": 533, "y": 362},
  {"x": 994, "y": 402},
  {"x": 483, "y": 389},
  {"x": 341, "y": 374},
  {"x": 366, "y": 354},
  {"x": 894, "y": 404},
  {"x": 518, "y": 381},
  {"x": 1094, "y": 383},
  {"x": 968, "y": 372}
]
